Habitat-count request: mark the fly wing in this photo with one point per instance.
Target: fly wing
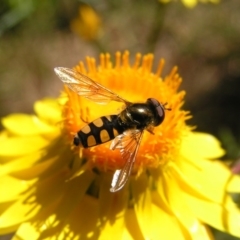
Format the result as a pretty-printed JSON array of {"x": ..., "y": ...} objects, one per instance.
[
  {"x": 128, "y": 143},
  {"x": 86, "y": 87}
]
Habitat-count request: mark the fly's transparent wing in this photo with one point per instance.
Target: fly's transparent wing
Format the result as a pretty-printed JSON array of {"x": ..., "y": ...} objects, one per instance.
[
  {"x": 86, "y": 87},
  {"x": 128, "y": 143}
]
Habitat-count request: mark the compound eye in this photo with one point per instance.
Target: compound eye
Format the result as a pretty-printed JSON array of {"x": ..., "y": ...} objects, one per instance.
[
  {"x": 160, "y": 111},
  {"x": 154, "y": 101},
  {"x": 159, "y": 115}
]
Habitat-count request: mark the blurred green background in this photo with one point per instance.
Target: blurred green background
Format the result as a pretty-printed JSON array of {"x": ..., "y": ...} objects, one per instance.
[{"x": 203, "y": 41}]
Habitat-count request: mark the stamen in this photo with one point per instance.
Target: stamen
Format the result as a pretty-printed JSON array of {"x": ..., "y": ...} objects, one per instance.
[
  {"x": 160, "y": 67},
  {"x": 137, "y": 60},
  {"x": 102, "y": 61},
  {"x": 89, "y": 64},
  {"x": 144, "y": 63},
  {"x": 150, "y": 62},
  {"x": 81, "y": 68},
  {"x": 125, "y": 59},
  {"x": 118, "y": 60},
  {"x": 172, "y": 73},
  {"x": 94, "y": 68},
  {"x": 108, "y": 62}
]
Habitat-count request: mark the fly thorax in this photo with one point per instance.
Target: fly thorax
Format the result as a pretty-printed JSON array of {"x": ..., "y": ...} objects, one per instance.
[{"x": 137, "y": 115}]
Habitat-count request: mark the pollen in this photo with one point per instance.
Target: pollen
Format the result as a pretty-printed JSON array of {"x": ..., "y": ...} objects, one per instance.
[{"x": 135, "y": 82}]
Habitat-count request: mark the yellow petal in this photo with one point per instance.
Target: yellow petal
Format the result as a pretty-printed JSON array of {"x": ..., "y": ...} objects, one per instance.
[
  {"x": 17, "y": 213},
  {"x": 169, "y": 227},
  {"x": 10, "y": 188},
  {"x": 23, "y": 124},
  {"x": 70, "y": 208},
  {"x": 208, "y": 192},
  {"x": 85, "y": 227},
  {"x": 48, "y": 192},
  {"x": 142, "y": 204},
  {"x": 193, "y": 228},
  {"x": 112, "y": 207},
  {"x": 53, "y": 158},
  {"x": 200, "y": 145},
  {"x": 18, "y": 164},
  {"x": 74, "y": 192},
  {"x": 77, "y": 226},
  {"x": 3, "y": 135},
  {"x": 208, "y": 178},
  {"x": 17, "y": 146},
  {"x": 215, "y": 215},
  {"x": 49, "y": 110},
  {"x": 132, "y": 230},
  {"x": 67, "y": 207},
  {"x": 233, "y": 185},
  {"x": 25, "y": 232}
]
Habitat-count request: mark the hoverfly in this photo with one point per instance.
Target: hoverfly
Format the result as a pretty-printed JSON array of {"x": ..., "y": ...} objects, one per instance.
[{"x": 125, "y": 129}]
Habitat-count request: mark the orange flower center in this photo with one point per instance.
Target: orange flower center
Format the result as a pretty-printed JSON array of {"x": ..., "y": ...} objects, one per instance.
[{"x": 136, "y": 83}]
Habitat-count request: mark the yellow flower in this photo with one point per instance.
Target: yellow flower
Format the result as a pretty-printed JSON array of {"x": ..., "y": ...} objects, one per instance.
[
  {"x": 87, "y": 24},
  {"x": 192, "y": 3},
  {"x": 52, "y": 190}
]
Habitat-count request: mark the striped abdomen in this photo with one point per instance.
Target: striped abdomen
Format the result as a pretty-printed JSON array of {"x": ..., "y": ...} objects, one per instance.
[{"x": 99, "y": 131}]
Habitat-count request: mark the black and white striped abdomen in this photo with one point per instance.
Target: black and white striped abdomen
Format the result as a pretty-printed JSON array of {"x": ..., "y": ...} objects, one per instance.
[{"x": 99, "y": 131}]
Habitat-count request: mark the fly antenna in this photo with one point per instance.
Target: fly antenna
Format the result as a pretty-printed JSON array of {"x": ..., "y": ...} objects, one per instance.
[{"x": 164, "y": 106}]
